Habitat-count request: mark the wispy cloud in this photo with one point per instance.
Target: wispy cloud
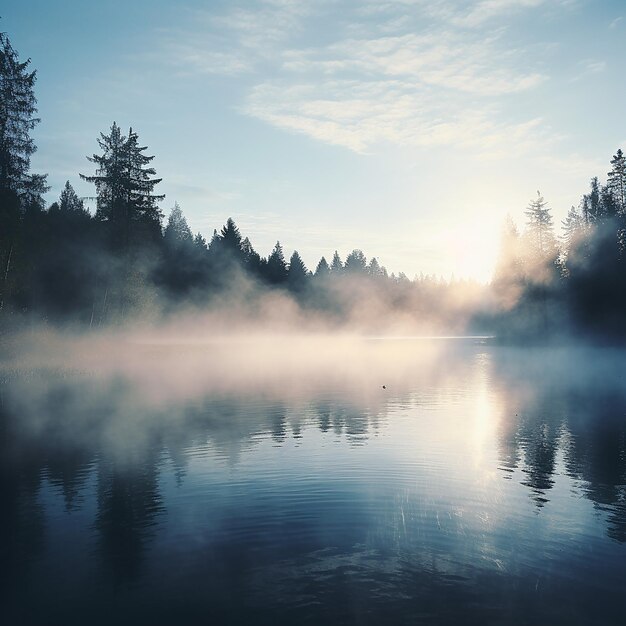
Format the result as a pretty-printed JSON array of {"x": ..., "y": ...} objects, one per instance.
[
  {"x": 420, "y": 73},
  {"x": 589, "y": 67},
  {"x": 487, "y": 10},
  {"x": 443, "y": 59},
  {"x": 361, "y": 115}
]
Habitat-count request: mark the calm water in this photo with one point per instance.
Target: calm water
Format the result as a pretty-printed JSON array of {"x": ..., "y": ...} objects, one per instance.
[{"x": 484, "y": 485}]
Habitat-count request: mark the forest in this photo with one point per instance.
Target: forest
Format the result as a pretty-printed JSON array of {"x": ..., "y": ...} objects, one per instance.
[{"x": 61, "y": 264}]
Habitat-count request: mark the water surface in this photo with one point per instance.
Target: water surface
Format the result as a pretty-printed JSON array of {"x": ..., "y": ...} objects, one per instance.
[{"x": 483, "y": 485}]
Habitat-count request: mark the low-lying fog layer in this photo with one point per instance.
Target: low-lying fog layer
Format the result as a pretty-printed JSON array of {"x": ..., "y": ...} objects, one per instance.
[
  {"x": 131, "y": 378},
  {"x": 172, "y": 365}
]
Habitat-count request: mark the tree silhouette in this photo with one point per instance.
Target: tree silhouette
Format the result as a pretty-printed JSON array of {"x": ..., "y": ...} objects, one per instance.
[
  {"x": 230, "y": 239},
  {"x": 336, "y": 266},
  {"x": 200, "y": 242},
  {"x": 252, "y": 260},
  {"x": 70, "y": 202},
  {"x": 276, "y": 267},
  {"x": 356, "y": 263},
  {"x": 539, "y": 228},
  {"x": 616, "y": 181},
  {"x": 17, "y": 120},
  {"x": 374, "y": 269},
  {"x": 20, "y": 191},
  {"x": 571, "y": 226},
  {"x": 177, "y": 232},
  {"x": 124, "y": 185},
  {"x": 322, "y": 270},
  {"x": 297, "y": 274}
]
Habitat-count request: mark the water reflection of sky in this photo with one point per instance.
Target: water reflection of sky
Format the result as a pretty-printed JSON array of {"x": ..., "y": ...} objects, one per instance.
[{"x": 493, "y": 480}]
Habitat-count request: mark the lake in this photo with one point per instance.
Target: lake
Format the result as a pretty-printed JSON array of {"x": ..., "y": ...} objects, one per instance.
[{"x": 276, "y": 481}]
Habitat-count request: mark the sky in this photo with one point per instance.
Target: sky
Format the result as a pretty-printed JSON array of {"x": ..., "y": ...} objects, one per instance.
[{"x": 406, "y": 128}]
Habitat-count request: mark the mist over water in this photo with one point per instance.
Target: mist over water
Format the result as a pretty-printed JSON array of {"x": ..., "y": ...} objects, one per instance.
[{"x": 273, "y": 479}]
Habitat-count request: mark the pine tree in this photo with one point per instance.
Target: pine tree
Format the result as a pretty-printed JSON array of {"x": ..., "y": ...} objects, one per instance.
[
  {"x": 374, "y": 269},
  {"x": 69, "y": 201},
  {"x": 297, "y": 273},
  {"x": 251, "y": 258},
  {"x": 539, "y": 230},
  {"x": 617, "y": 181},
  {"x": 18, "y": 106},
  {"x": 177, "y": 232},
  {"x": 200, "y": 242},
  {"x": 20, "y": 191},
  {"x": 124, "y": 185},
  {"x": 355, "y": 262},
  {"x": 230, "y": 240},
  {"x": 322, "y": 270},
  {"x": 571, "y": 226},
  {"x": 276, "y": 267},
  {"x": 336, "y": 266},
  {"x": 214, "y": 243}
]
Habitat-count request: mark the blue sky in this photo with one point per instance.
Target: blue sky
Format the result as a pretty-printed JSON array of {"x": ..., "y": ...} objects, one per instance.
[{"x": 406, "y": 128}]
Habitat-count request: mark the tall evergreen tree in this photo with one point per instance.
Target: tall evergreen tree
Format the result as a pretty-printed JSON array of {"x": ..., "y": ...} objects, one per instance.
[
  {"x": 252, "y": 259},
  {"x": 322, "y": 270},
  {"x": 20, "y": 190},
  {"x": 617, "y": 181},
  {"x": 594, "y": 207},
  {"x": 571, "y": 226},
  {"x": 539, "y": 230},
  {"x": 124, "y": 184},
  {"x": 142, "y": 202},
  {"x": 69, "y": 201},
  {"x": 214, "y": 243},
  {"x": 18, "y": 106},
  {"x": 297, "y": 273},
  {"x": 200, "y": 242},
  {"x": 177, "y": 232},
  {"x": 356, "y": 262},
  {"x": 336, "y": 266},
  {"x": 276, "y": 266},
  {"x": 231, "y": 241},
  {"x": 374, "y": 269}
]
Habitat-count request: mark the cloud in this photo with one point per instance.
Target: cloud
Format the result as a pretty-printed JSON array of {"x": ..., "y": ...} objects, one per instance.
[
  {"x": 442, "y": 59},
  {"x": 470, "y": 14},
  {"x": 361, "y": 115},
  {"x": 589, "y": 67},
  {"x": 231, "y": 43},
  {"x": 487, "y": 10},
  {"x": 408, "y": 72}
]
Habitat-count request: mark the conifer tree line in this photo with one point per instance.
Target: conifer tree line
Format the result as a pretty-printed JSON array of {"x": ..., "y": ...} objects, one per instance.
[
  {"x": 549, "y": 283},
  {"x": 62, "y": 263}
]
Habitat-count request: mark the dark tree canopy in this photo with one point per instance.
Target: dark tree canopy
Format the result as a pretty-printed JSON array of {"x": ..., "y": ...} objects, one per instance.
[
  {"x": 336, "y": 266},
  {"x": 200, "y": 242},
  {"x": 297, "y": 274},
  {"x": 616, "y": 181},
  {"x": 374, "y": 268},
  {"x": 69, "y": 201},
  {"x": 322, "y": 270},
  {"x": 124, "y": 185},
  {"x": 276, "y": 265},
  {"x": 571, "y": 226},
  {"x": 355, "y": 262},
  {"x": 18, "y": 106},
  {"x": 230, "y": 236}
]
